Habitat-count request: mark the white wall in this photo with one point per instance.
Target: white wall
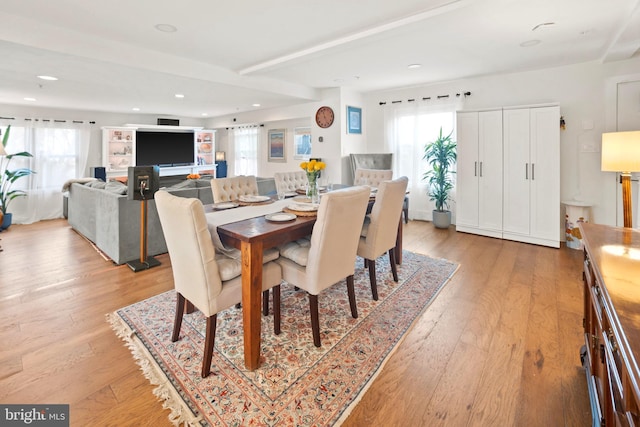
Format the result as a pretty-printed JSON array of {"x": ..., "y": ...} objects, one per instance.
[{"x": 583, "y": 93}]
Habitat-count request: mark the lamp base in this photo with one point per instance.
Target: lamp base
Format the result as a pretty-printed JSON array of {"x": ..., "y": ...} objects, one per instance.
[
  {"x": 138, "y": 265},
  {"x": 625, "y": 178}
]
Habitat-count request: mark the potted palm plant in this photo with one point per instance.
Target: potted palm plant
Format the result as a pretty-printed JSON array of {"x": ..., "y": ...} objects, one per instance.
[
  {"x": 8, "y": 177},
  {"x": 441, "y": 155}
]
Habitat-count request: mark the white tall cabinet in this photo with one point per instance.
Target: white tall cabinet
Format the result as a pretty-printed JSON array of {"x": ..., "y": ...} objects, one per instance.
[
  {"x": 508, "y": 175},
  {"x": 479, "y": 172},
  {"x": 532, "y": 175}
]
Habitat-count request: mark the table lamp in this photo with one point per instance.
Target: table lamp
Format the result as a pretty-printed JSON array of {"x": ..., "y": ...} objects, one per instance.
[
  {"x": 220, "y": 156},
  {"x": 621, "y": 153}
]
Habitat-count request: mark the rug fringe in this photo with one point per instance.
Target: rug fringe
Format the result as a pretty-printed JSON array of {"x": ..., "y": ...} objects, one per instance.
[{"x": 180, "y": 413}]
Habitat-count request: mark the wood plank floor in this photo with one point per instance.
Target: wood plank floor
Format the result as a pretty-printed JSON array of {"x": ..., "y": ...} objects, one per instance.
[{"x": 498, "y": 347}]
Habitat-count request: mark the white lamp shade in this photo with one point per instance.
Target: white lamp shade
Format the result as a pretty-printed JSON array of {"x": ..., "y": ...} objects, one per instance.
[{"x": 621, "y": 151}]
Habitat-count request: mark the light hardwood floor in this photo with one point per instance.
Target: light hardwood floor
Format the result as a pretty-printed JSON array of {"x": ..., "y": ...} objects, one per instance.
[{"x": 498, "y": 347}]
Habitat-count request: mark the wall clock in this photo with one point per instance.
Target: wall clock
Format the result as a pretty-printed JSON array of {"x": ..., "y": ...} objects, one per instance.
[{"x": 324, "y": 117}]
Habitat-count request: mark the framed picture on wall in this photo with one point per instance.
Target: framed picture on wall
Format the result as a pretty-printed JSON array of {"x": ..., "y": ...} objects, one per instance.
[
  {"x": 302, "y": 143},
  {"x": 354, "y": 120},
  {"x": 276, "y": 140}
]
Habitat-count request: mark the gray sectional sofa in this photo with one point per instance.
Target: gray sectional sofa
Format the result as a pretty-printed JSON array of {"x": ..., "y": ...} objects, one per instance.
[{"x": 103, "y": 214}]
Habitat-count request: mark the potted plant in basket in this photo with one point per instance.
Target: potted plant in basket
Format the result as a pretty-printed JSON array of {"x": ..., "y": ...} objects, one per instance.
[
  {"x": 8, "y": 177},
  {"x": 441, "y": 155}
]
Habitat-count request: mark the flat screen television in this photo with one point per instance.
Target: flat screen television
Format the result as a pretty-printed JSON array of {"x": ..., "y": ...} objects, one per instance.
[{"x": 165, "y": 148}]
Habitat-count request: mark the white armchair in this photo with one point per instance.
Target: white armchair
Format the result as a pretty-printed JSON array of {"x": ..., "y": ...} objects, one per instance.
[
  {"x": 227, "y": 189},
  {"x": 372, "y": 177},
  {"x": 197, "y": 273},
  {"x": 380, "y": 231},
  {"x": 289, "y": 181},
  {"x": 331, "y": 254}
]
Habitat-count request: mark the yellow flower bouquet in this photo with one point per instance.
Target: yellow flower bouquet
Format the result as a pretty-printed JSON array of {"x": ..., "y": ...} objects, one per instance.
[{"x": 312, "y": 168}]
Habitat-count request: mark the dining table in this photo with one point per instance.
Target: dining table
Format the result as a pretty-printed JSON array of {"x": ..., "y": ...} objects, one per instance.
[{"x": 244, "y": 233}]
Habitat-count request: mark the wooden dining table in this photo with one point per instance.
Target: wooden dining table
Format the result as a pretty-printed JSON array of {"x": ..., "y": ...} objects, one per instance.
[{"x": 252, "y": 236}]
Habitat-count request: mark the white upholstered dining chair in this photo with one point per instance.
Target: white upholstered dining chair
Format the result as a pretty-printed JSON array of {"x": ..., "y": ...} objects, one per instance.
[
  {"x": 197, "y": 275},
  {"x": 372, "y": 177},
  {"x": 380, "y": 228},
  {"x": 290, "y": 181},
  {"x": 330, "y": 255},
  {"x": 228, "y": 189}
]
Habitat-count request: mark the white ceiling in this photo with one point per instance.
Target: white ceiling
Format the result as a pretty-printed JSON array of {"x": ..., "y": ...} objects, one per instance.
[{"x": 227, "y": 55}]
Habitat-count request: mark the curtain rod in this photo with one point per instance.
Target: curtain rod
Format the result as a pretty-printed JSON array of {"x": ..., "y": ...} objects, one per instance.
[
  {"x": 244, "y": 126},
  {"x": 427, "y": 98},
  {"x": 51, "y": 120}
]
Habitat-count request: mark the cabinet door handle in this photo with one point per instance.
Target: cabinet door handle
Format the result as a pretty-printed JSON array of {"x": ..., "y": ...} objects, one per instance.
[
  {"x": 475, "y": 168},
  {"x": 526, "y": 171},
  {"x": 480, "y": 169},
  {"x": 533, "y": 171}
]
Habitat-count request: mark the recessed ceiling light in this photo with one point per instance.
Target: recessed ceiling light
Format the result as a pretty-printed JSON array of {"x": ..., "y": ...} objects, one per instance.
[
  {"x": 29, "y": 99},
  {"x": 165, "y": 28},
  {"x": 414, "y": 66},
  {"x": 255, "y": 105},
  {"x": 179, "y": 95},
  {"x": 136, "y": 109},
  {"x": 48, "y": 78},
  {"x": 530, "y": 43},
  {"x": 205, "y": 114}
]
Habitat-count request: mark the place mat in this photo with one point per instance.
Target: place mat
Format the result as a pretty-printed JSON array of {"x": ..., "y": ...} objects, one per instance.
[{"x": 301, "y": 213}]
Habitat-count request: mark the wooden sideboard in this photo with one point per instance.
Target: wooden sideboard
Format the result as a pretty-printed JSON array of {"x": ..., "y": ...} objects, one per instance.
[{"x": 612, "y": 323}]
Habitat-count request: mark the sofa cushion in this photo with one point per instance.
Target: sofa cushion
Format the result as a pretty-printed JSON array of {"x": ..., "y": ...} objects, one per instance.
[{"x": 187, "y": 183}]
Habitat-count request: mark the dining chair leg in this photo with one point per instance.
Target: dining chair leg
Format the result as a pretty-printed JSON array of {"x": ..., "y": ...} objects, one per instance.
[
  {"x": 276, "y": 310},
  {"x": 189, "y": 307},
  {"x": 177, "y": 323},
  {"x": 352, "y": 297},
  {"x": 315, "y": 320},
  {"x": 209, "y": 341},
  {"x": 372, "y": 279},
  {"x": 265, "y": 303},
  {"x": 392, "y": 259}
]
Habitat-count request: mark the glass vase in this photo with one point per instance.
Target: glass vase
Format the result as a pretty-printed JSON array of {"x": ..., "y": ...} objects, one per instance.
[{"x": 312, "y": 188}]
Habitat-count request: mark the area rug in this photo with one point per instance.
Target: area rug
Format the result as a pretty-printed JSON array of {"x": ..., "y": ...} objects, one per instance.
[{"x": 297, "y": 384}]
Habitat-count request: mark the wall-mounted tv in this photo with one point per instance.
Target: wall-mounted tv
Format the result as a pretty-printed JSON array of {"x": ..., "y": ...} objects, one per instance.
[{"x": 165, "y": 148}]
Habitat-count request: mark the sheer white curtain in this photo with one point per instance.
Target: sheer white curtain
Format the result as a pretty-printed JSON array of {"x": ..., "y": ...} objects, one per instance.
[
  {"x": 243, "y": 144},
  {"x": 407, "y": 129},
  {"x": 60, "y": 151}
]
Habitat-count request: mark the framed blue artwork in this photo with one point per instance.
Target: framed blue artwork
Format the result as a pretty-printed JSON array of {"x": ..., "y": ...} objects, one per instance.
[
  {"x": 354, "y": 120},
  {"x": 276, "y": 140}
]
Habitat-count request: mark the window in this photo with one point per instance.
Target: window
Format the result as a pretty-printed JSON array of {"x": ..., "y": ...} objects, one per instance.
[
  {"x": 244, "y": 146},
  {"x": 408, "y": 129},
  {"x": 59, "y": 154}
]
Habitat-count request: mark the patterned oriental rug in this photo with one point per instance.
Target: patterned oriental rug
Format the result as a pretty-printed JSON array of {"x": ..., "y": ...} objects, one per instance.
[{"x": 297, "y": 384}]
